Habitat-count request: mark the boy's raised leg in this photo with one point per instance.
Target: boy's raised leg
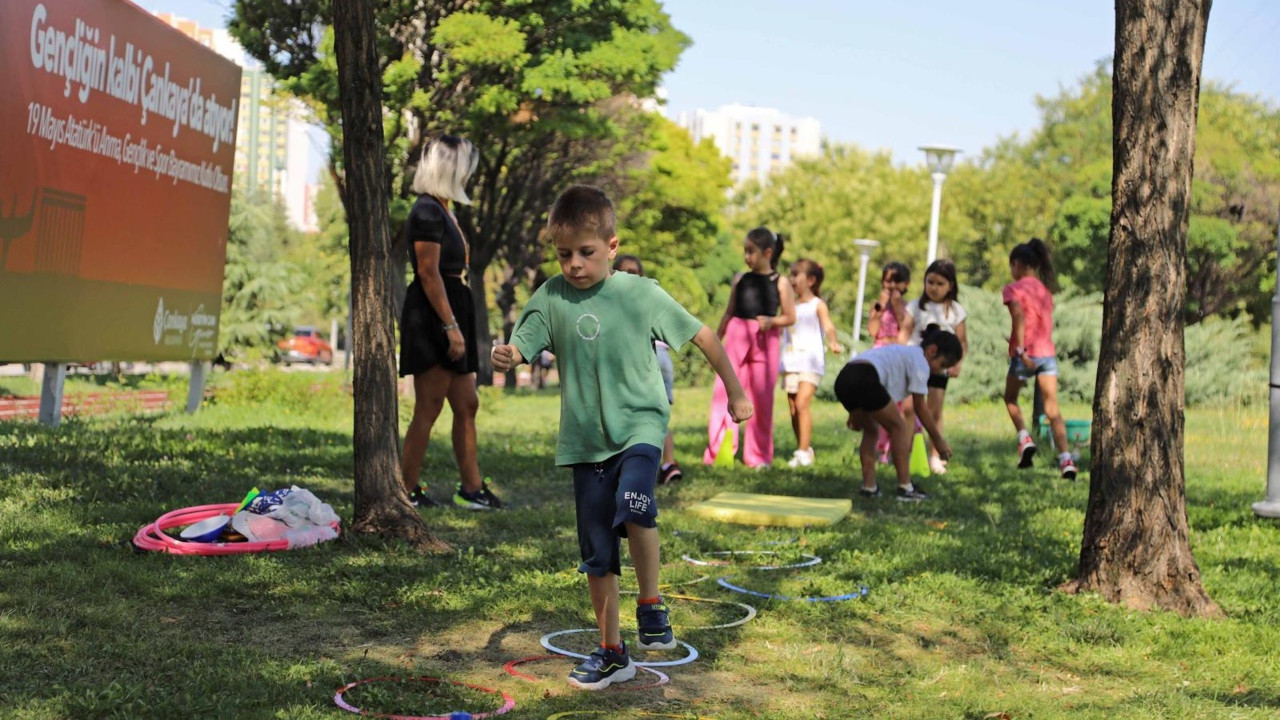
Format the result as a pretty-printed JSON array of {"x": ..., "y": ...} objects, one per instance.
[{"x": 652, "y": 615}]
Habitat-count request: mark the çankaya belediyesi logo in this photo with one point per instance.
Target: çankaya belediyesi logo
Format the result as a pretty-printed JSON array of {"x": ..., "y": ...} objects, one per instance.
[{"x": 157, "y": 325}]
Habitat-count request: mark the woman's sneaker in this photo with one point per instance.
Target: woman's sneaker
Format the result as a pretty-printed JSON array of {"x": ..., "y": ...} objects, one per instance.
[
  {"x": 669, "y": 473},
  {"x": 419, "y": 498},
  {"x": 655, "y": 627},
  {"x": 602, "y": 668},
  {"x": 482, "y": 499}
]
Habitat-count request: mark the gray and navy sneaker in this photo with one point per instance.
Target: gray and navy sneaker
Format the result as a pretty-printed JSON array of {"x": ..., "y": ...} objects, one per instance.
[
  {"x": 655, "y": 628},
  {"x": 602, "y": 668},
  {"x": 482, "y": 499}
]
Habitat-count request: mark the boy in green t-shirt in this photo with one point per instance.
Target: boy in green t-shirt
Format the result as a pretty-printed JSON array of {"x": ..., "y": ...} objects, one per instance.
[{"x": 613, "y": 411}]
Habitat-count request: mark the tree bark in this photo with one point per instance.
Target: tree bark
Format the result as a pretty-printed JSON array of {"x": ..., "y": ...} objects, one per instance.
[
  {"x": 1136, "y": 549},
  {"x": 381, "y": 505}
]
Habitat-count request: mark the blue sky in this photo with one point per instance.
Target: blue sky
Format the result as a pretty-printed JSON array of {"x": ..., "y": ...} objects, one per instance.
[{"x": 898, "y": 75}]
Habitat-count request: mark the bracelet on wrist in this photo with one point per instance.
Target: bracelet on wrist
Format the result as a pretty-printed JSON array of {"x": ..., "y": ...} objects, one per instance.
[{"x": 451, "y": 326}]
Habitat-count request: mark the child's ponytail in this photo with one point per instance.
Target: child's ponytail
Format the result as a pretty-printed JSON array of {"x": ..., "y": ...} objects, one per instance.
[
  {"x": 948, "y": 344},
  {"x": 1035, "y": 254}
]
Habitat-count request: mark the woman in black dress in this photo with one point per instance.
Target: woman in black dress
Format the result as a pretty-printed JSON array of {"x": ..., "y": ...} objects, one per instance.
[{"x": 437, "y": 325}]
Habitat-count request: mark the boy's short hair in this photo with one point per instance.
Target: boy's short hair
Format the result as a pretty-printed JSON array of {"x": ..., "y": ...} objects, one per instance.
[{"x": 582, "y": 209}]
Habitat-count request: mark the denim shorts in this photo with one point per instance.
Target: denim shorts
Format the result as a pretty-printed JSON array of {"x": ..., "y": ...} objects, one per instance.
[
  {"x": 668, "y": 372},
  {"x": 1047, "y": 365},
  {"x": 609, "y": 494}
]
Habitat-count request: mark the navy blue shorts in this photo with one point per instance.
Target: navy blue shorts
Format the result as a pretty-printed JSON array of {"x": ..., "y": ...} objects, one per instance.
[{"x": 608, "y": 494}]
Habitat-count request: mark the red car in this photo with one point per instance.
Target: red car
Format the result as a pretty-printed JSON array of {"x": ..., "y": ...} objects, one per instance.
[{"x": 306, "y": 346}]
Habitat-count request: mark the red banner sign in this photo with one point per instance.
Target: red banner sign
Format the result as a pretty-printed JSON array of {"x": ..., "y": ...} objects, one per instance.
[{"x": 118, "y": 136}]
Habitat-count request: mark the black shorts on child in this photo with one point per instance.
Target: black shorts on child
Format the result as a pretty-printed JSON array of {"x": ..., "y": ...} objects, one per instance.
[
  {"x": 858, "y": 387},
  {"x": 608, "y": 494}
]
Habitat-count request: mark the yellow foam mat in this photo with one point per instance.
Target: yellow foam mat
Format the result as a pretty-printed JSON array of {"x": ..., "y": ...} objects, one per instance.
[{"x": 784, "y": 510}]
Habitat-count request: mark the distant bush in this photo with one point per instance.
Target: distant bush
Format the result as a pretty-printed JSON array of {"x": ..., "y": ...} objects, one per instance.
[{"x": 294, "y": 391}]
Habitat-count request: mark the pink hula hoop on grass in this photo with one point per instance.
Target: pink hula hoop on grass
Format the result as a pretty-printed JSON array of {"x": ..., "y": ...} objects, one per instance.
[{"x": 152, "y": 536}]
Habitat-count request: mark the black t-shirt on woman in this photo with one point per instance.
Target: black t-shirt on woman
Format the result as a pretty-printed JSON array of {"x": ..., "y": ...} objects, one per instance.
[{"x": 430, "y": 222}]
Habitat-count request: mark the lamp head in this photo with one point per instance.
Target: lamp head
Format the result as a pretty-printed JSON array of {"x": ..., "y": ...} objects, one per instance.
[{"x": 939, "y": 158}]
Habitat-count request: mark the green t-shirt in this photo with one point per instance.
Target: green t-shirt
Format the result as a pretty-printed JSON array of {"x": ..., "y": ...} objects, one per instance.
[{"x": 611, "y": 391}]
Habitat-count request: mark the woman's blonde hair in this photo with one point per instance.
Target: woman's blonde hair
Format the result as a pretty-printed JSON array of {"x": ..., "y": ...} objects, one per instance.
[{"x": 445, "y": 167}]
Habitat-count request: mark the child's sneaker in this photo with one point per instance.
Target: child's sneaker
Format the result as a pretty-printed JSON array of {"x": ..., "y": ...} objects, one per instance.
[
  {"x": 870, "y": 492},
  {"x": 801, "y": 458},
  {"x": 1026, "y": 451},
  {"x": 655, "y": 628},
  {"x": 1068, "y": 468},
  {"x": 419, "y": 498},
  {"x": 482, "y": 499},
  {"x": 911, "y": 494},
  {"x": 669, "y": 473},
  {"x": 602, "y": 668}
]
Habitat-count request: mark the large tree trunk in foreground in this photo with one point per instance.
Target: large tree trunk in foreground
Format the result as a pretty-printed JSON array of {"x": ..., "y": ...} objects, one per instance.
[
  {"x": 1135, "y": 549},
  {"x": 381, "y": 505}
]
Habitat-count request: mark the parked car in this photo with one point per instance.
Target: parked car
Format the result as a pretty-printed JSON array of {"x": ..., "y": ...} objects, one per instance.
[{"x": 305, "y": 345}]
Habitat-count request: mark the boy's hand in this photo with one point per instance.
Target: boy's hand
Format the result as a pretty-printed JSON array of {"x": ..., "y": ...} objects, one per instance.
[
  {"x": 943, "y": 448},
  {"x": 505, "y": 357},
  {"x": 740, "y": 408}
]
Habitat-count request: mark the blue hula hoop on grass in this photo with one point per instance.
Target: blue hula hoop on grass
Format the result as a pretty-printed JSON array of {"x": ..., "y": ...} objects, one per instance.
[{"x": 724, "y": 583}]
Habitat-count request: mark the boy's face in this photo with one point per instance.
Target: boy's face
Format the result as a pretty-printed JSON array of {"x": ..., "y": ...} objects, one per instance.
[{"x": 585, "y": 259}]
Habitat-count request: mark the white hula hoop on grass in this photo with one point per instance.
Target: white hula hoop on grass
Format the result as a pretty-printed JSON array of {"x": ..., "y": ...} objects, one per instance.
[
  {"x": 810, "y": 560},
  {"x": 546, "y": 643}
]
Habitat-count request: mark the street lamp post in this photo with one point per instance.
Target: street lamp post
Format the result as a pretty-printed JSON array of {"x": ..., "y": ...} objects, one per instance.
[
  {"x": 864, "y": 249},
  {"x": 1270, "y": 506},
  {"x": 939, "y": 158}
]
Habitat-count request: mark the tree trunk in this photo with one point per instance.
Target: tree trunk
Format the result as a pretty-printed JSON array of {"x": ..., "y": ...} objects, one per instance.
[
  {"x": 381, "y": 505},
  {"x": 1136, "y": 549},
  {"x": 484, "y": 338}
]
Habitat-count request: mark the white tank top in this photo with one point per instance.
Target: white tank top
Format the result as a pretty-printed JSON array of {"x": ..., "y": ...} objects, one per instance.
[{"x": 803, "y": 349}]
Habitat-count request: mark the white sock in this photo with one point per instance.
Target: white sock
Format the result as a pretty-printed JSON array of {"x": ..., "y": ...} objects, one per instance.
[
  {"x": 1023, "y": 434},
  {"x": 909, "y": 487},
  {"x": 1064, "y": 456}
]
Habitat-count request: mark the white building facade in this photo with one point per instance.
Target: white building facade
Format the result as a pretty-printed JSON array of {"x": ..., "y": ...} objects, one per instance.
[{"x": 756, "y": 140}]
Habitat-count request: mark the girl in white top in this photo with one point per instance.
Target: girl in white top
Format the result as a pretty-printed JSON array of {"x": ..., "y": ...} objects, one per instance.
[
  {"x": 937, "y": 306},
  {"x": 803, "y": 355}
]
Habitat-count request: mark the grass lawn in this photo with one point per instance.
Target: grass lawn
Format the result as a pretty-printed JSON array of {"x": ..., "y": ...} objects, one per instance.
[{"x": 961, "y": 620}]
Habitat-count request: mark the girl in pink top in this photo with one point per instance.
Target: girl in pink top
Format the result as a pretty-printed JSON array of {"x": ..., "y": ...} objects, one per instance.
[
  {"x": 1031, "y": 351},
  {"x": 885, "y": 326}
]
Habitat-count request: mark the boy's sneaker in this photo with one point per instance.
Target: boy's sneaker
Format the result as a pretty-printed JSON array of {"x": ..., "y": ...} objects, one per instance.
[
  {"x": 801, "y": 458},
  {"x": 482, "y": 499},
  {"x": 1026, "y": 451},
  {"x": 655, "y": 628},
  {"x": 1068, "y": 468},
  {"x": 602, "y": 668},
  {"x": 915, "y": 494},
  {"x": 419, "y": 498},
  {"x": 669, "y": 473},
  {"x": 870, "y": 493}
]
